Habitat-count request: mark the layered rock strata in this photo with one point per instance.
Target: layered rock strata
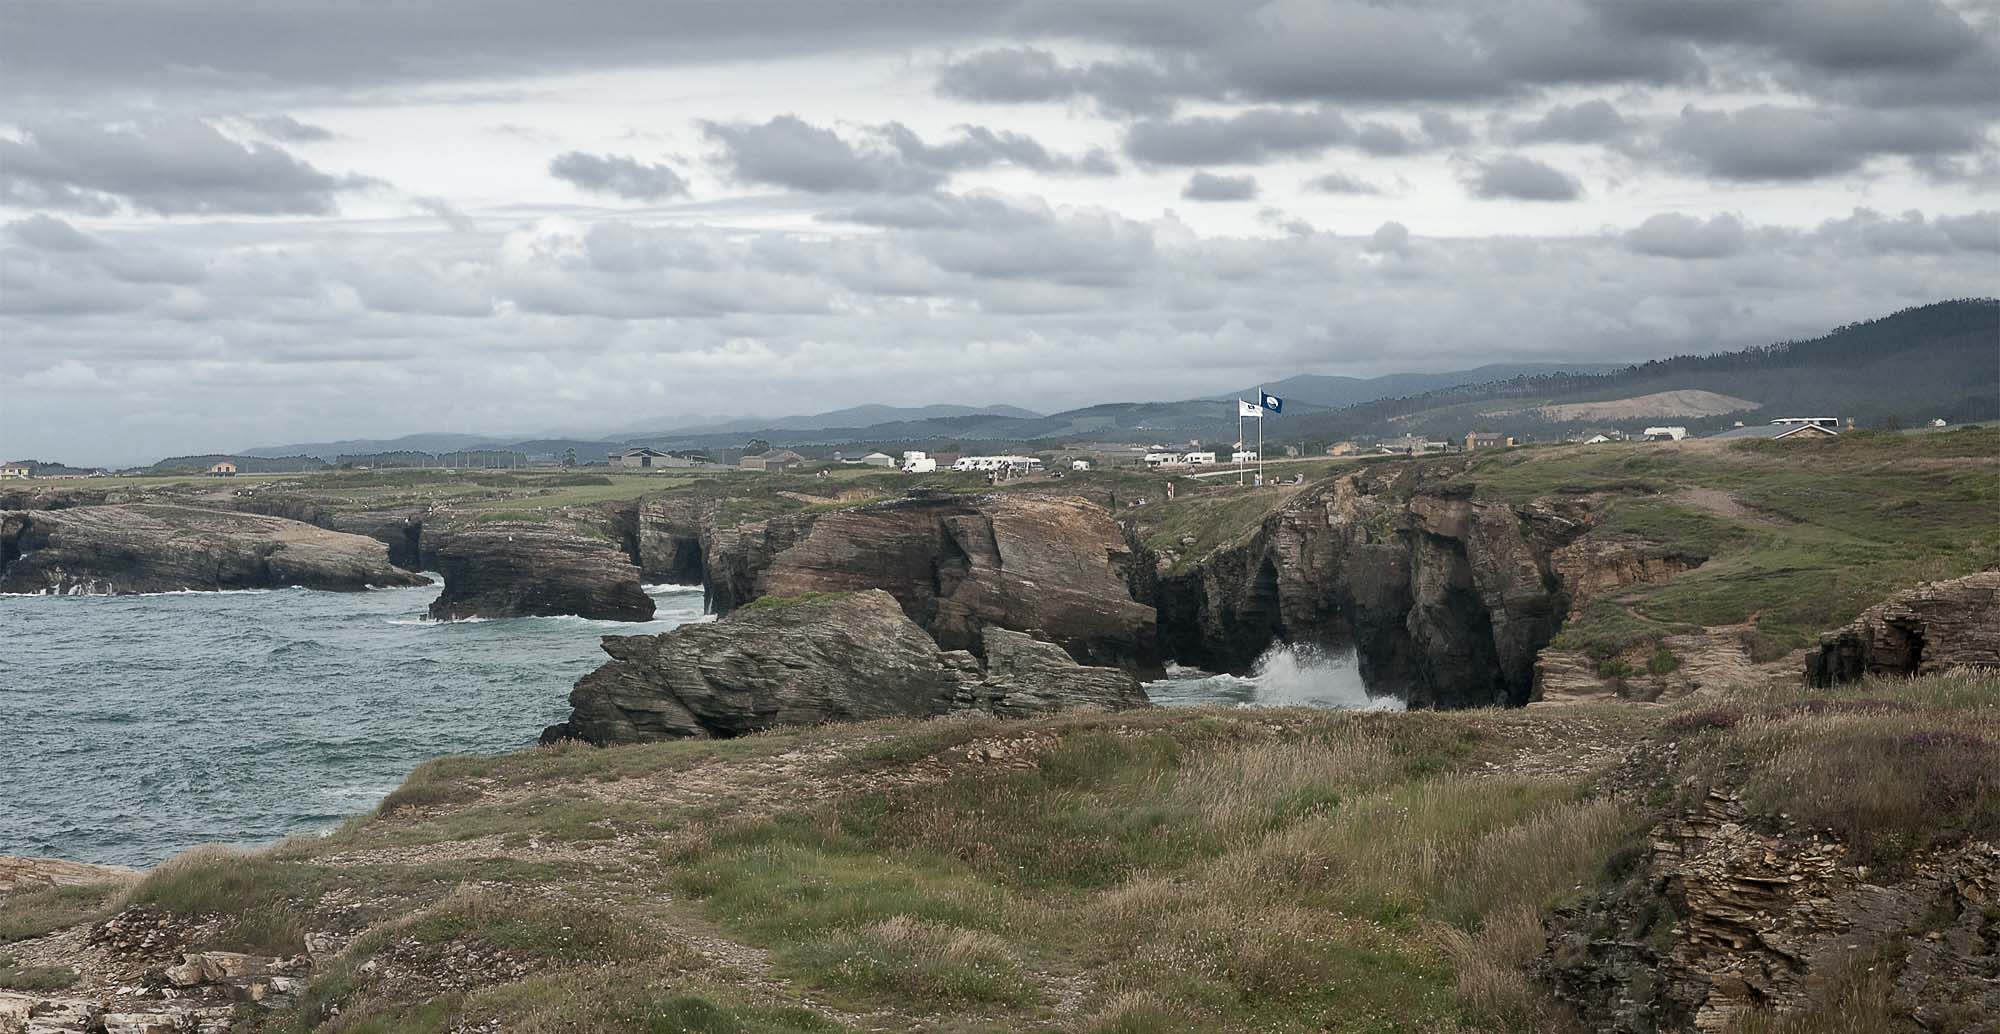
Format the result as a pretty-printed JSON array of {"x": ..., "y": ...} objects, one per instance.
[
  {"x": 1055, "y": 567},
  {"x": 1934, "y": 627},
  {"x": 526, "y": 570},
  {"x": 156, "y": 548},
  {"x": 814, "y": 659}
]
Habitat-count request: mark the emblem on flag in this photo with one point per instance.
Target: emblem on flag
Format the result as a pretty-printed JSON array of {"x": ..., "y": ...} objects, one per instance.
[
  {"x": 1273, "y": 403},
  {"x": 1247, "y": 408}
]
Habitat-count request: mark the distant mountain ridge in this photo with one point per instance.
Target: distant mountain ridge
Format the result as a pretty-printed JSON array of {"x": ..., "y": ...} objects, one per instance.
[
  {"x": 1333, "y": 392},
  {"x": 1933, "y": 361}
]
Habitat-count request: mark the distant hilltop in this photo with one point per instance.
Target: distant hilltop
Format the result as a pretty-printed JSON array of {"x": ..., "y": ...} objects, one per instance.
[{"x": 1930, "y": 362}]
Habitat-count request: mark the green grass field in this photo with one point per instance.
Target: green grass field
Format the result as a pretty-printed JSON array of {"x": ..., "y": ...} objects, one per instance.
[{"x": 1187, "y": 870}]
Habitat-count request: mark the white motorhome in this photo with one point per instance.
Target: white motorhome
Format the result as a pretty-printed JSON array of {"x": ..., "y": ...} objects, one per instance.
[
  {"x": 1164, "y": 459},
  {"x": 1198, "y": 459}
]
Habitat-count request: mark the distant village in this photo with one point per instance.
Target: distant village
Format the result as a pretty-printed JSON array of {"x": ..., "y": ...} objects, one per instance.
[{"x": 762, "y": 458}]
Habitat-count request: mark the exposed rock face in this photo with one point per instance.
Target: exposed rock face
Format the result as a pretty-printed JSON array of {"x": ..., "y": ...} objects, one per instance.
[
  {"x": 1933, "y": 627},
  {"x": 1597, "y": 565},
  {"x": 1751, "y": 920},
  {"x": 399, "y": 529},
  {"x": 1027, "y": 677},
  {"x": 667, "y": 539},
  {"x": 807, "y": 660},
  {"x": 958, "y": 565},
  {"x": 524, "y": 570},
  {"x": 1446, "y": 598},
  {"x": 19, "y": 873},
  {"x": 155, "y": 548}
]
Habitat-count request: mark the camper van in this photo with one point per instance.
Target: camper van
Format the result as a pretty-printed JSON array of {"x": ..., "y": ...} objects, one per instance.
[
  {"x": 920, "y": 465},
  {"x": 1199, "y": 459},
  {"x": 1164, "y": 459}
]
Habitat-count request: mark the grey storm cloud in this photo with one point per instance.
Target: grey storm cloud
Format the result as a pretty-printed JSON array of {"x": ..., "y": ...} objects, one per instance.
[
  {"x": 169, "y": 166},
  {"x": 1673, "y": 235},
  {"x": 289, "y": 129},
  {"x": 1257, "y": 135},
  {"x": 1342, "y": 183},
  {"x": 1519, "y": 178},
  {"x": 618, "y": 175},
  {"x": 1769, "y": 142},
  {"x": 1019, "y": 75},
  {"x": 1390, "y": 238},
  {"x": 1207, "y": 186},
  {"x": 1591, "y": 121},
  {"x": 1913, "y": 233},
  {"x": 446, "y": 212},
  {"x": 787, "y": 151},
  {"x": 47, "y": 233}
]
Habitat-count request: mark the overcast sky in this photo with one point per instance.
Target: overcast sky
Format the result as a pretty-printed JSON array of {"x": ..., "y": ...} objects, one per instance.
[{"x": 245, "y": 222}]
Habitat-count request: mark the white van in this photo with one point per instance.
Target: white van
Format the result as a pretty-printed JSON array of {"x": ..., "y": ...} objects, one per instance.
[{"x": 920, "y": 465}]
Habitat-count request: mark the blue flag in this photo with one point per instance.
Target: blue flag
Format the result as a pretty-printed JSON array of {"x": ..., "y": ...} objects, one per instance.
[{"x": 1273, "y": 402}]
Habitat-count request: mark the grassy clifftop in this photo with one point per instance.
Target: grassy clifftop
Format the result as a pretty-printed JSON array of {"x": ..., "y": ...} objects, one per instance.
[
  {"x": 1800, "y": 535},
  {"x": 1181, "y": 870}
]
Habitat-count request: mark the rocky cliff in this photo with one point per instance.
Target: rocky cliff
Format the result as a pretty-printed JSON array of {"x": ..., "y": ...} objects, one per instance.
[
  {"x": 807, "y": 660},
  {"x": 156, "y": 548},
  {"x": 525, "y": 569},
  {"x": 1933, "y": 627},
  {"x": 1445, "y": 597},
  {"x": 1720, "y": 919},
  {"x": 958, "y": 565}
]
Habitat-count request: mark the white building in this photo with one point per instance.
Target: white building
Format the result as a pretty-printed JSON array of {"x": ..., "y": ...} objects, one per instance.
[
  {"x": 1665, "y": 434},
  {"x": 992, "y": 463},
  {"x": 1243, "y": 456},
  {"x": 14, "y": 471},
  {"x": 1079, "y": 464},
  {"x": 878, "y": 459}
]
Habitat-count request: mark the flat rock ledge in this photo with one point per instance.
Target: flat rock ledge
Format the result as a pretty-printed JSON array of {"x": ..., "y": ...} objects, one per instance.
[
  {"x": 1937, "y": 626},
  {"x": 138, "y": 548},
  {"x": 533, "y": 570},
  {"x": 807, "y": 660}
]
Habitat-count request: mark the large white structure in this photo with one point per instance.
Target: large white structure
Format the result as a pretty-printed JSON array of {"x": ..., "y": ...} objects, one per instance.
[
  {"x": 990, "y": 463},
  {"x": 1665, "y": 434},
  {"x": 1164, "y": 459},
  {"x": 1243, "y": 456}
]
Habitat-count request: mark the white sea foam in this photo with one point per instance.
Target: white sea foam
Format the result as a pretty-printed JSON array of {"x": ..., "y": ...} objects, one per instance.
[{"x": 1286, "y": 675}]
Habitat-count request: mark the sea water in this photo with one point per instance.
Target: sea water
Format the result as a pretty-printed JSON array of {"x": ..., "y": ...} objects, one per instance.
[{"x": 135, "y": 727}]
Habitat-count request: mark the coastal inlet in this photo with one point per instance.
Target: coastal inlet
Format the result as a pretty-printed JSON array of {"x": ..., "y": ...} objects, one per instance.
[{"x": 140, "y": 726}]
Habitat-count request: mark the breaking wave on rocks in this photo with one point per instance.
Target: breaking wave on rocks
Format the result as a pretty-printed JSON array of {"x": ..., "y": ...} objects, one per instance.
[
  {"x": 1286, "y": 675},
  {"x": 139, "y": 726}
]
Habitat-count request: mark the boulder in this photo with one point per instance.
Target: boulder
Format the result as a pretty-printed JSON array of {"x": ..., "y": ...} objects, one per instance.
[
  {"x": 1025, "y": 676},
  {"x": 958, "y": 565},
  {"x": 812, "y": 659},
  {"x": 1934, "y": 627},
  {"x": 156, "y": 548},
  {"x": 526, "y": 570}
]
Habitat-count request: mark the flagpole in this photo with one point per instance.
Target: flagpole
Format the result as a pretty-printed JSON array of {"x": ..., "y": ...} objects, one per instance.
[
  {"x": 1239, "y": 443},
  {"x": 1260, "y": 437}
]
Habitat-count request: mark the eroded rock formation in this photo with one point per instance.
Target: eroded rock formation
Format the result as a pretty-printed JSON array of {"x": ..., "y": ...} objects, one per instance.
[
  {"x": 1933, "y": 627},
  {"x": 525, "y": 569},
  {"x": 1720, "y": 918},
  {"x": 958, "y": 565},
  {"x": 812, "y": 659},
  {"x": 157, "y": 548},
  {"x": 1445, "y": 597}
]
